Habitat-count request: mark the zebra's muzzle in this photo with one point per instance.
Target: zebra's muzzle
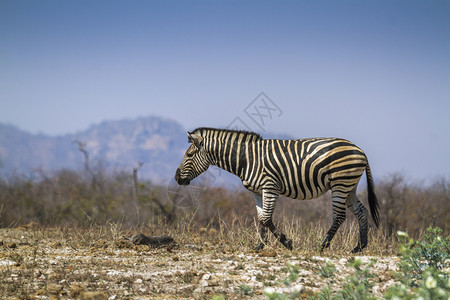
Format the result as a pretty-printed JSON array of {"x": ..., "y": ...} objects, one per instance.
[{"x": 179, "y": 180}]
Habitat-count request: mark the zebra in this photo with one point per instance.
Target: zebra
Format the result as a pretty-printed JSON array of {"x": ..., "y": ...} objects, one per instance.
[{"x": 299, "y": 169}]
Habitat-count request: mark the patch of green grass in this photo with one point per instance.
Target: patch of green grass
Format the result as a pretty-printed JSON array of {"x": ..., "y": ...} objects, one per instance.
[
  {"x": 327, "y": 270},
  {"x": 246, "y": 290}
]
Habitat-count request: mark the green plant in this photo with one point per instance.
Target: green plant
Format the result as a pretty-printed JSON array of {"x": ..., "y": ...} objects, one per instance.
[
  {"x": 327, "y": 270},
  {"x": 275, "y": 296},
  {"x": 433, "y": 286},
  {"x": 293, "y": 275},
  {"x": 419, "y": 256},
  {"x": 293, "y": 272},
  {"x": 324, "y": 294},
  {"x": 246, "y": 290},
  {"x": 356, "y": 286},
  {"x": 359, "y": 285},
  {"x": 423, "y": 267}
]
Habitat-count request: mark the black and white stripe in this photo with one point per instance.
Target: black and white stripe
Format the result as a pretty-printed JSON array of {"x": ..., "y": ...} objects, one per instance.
[{"x": 300, "y": 169}]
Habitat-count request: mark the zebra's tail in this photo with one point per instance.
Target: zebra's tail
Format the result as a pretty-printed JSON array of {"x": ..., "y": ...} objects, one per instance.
[{"x": 373, "y": 202}]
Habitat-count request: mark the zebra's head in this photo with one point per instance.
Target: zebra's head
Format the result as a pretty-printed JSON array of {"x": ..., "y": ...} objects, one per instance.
[{"x": 195, "y": 161}]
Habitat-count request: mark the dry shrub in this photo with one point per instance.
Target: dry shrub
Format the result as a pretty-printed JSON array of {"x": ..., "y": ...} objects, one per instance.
[{"x": 68, "y": 198}]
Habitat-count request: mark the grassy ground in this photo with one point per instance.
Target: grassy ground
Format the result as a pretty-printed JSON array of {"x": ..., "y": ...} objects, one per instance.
[{"x": 98, "y": 263}]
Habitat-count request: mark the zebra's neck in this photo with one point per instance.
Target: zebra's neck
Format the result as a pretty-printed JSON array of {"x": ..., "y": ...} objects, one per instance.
[{"x": 237, "y": 152}]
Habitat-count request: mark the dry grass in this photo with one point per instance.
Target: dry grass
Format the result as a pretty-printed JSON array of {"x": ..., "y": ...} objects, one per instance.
[
  {"x": 76, "y": 246},
  {"x": 72, "y": 262}
]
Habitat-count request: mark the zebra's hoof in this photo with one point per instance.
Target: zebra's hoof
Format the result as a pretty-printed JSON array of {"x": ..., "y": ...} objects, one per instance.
[
  {"x": 288, "y": 244},
  {"x": 259, "y": 247},
  {"x": 358, "y": 249},
  {"x": 324, "y": 246}
]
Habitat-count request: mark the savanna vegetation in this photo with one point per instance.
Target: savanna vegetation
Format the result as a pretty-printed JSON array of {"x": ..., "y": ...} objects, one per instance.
[
  {"x": 67, "y": 234},
  {"x": 69, "y": 198}
]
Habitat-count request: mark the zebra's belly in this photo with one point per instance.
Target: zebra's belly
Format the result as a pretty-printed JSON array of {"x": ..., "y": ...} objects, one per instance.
[
  {"x": 315, "y": 192},
  {"x": 305, "y": 190}
]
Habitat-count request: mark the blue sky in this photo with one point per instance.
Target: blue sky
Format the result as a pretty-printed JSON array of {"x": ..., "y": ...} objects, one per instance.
[{"x": 375, "y": 72}]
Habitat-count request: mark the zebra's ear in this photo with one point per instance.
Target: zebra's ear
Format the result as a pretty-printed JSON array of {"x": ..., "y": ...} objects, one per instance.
[{"x": 195, "y": 138}]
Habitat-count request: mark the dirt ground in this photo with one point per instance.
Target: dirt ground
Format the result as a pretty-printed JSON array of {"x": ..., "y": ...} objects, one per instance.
[{"x": 56, "y": 264}]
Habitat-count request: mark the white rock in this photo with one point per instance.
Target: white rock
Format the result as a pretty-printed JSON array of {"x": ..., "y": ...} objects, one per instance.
[
  {"x": 206, "y": 277},
  {"x": 7, "y": 263}
]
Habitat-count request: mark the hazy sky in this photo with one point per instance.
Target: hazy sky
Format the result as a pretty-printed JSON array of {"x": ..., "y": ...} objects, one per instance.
[{"x": 375, "y": 72}]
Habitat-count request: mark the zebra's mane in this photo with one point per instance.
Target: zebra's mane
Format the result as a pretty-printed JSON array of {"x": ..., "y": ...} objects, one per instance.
[{"x": 245, "y": 132}]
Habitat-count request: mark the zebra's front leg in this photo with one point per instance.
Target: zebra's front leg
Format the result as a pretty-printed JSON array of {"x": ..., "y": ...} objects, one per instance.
[
  {"x": 337, "y": 221},
  {"x": 265, "y": 218},
  {"x": 263, "y": 237},
  {"x": 262, "y": 228}
]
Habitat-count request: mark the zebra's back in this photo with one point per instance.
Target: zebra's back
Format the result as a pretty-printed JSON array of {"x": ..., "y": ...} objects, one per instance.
[{"x": 307, "y": 168}]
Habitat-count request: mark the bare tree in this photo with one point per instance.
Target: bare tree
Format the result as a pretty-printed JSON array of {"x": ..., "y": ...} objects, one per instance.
[
  {"x": 82, "y": 149},
  {"x": 170, "y": 214},
  {"x": 135, "y": 180}
]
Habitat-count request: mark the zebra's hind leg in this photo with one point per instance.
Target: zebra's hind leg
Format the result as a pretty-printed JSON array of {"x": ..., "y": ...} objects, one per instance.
[
  {"x": 358, "y": 209},
  {"x": 338, "y": 217},
  {"x": 265, "y": 218}
]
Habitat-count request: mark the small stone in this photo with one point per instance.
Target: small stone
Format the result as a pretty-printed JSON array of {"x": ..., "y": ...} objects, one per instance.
[
  {"x": 268, "y": 253},
  {"x": 54, "y": 289},
  {"x": 213, "y": 282},
  {"x": 175, "y": 258},
  {"x": 206, "y": 277},
  {"x": 75, "y": 290},
  {"x": 153, "y": 241},
  {"x": 41, "y": 292},
  {"x": 94, "y": 296},
  {"x": 53, "y": 262},
  {"x": 193, "y": 247}
]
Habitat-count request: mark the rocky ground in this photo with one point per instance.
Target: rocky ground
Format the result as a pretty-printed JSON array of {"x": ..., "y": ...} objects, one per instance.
[{"x": 43, "y": 264}]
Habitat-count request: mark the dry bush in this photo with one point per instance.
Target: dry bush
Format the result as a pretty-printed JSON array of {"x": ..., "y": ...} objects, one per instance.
[
  {"x": 72, "y": 198},
  {"x": 413, "y": 207},
  {"x": 68, "y": 198}
]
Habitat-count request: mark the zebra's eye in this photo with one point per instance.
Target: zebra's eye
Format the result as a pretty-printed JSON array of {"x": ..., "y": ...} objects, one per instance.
[{"x": 191, "y": 151}]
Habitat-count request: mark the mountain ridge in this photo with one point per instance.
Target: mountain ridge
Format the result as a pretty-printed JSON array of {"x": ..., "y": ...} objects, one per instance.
[{"x": 158, "y": 142}]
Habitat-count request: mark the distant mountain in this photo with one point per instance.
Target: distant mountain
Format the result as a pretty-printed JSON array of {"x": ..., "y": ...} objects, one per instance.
[{"x": 157, "y": 142}]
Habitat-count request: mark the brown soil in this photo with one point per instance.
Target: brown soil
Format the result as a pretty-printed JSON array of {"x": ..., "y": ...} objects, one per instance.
[{"x": 37, "y": 263}]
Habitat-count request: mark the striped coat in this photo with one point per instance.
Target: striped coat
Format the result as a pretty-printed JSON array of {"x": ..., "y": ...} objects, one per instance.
[{"x": 299, "y": 169}]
